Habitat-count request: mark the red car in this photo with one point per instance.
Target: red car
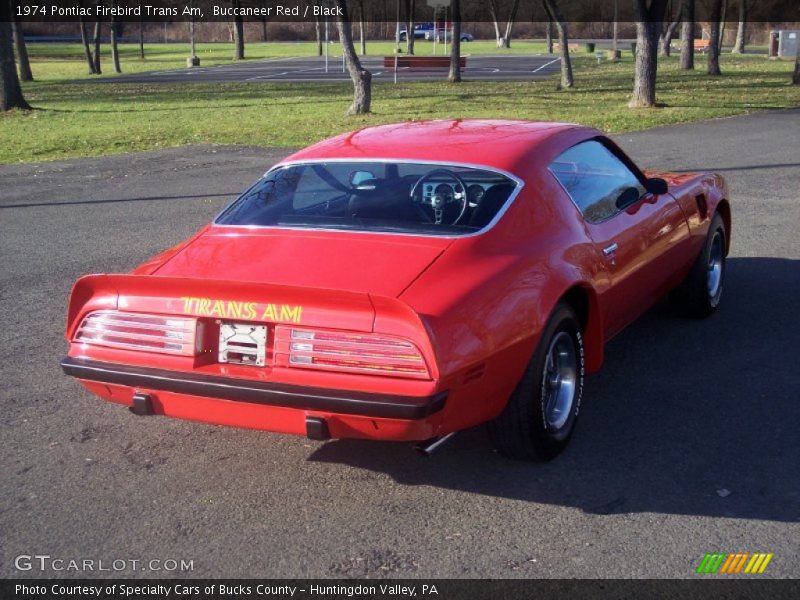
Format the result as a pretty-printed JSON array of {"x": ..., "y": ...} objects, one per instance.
[{"x": 407, "y": 281}]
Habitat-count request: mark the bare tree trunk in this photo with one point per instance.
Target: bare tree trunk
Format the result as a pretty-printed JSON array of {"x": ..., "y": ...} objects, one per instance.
[
  {"x": 10, "y": 89},
  {"x": 741, "y": 30},
  {"x": 141, "y": 38},
  {"x": 362, "y": 78},
  {"x": 722, "y": 24},
  {"x": 96, "y": 57},
  {"x": 648, "y": 25},
  {"x": 114, "y": 47},
  {"x": 687, "y": 36},
  {"x": 668, "y": 31},
  {"x": 238, "y": 37},
  {"x": 411, "y": 7},
  {"x": 644, "y": 82},
  {"x": 454, "y": 76},
  {"x": 85, "y": 41},
  {"x": 509, "y": 24},
  {"x": 25, "y": 73},
  {"x": 713, "y": 42},
  {"x": 796, "y": 74},
  {"x": 493, "y": 11},
  {"x": 549, "y": 35},
  {"x": 264, "y": 20},
  {"x": 554, "y": 14},
  {"x": 318, "y": 32}
]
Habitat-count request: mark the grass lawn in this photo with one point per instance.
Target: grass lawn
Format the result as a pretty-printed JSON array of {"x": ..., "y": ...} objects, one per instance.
[{"x": 74, "y": 120}]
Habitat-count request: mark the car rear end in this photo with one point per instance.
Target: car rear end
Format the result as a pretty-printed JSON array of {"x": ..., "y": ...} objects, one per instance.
[{"x": 315, "y": 362}]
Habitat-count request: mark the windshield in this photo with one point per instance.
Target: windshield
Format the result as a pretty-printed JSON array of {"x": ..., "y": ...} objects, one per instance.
[{"x": 374, "y": 196}]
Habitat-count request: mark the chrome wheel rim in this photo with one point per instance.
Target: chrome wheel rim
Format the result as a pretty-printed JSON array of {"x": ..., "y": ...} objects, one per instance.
[
  {"x": 559, "y": 380},
  {"x": 715, "y": 259}
]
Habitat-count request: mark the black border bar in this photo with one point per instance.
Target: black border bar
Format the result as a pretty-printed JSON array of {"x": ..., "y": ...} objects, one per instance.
[{"x": 256, "y": 392}]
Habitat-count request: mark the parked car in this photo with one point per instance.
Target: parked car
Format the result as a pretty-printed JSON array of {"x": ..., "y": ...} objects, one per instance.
[
  {"x": 440, "y": 36},
  {"x": 419, "y": 31},
  {"x": 405, "y": 282}
]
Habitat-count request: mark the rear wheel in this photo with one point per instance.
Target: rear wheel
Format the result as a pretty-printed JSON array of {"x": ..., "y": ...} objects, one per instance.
[
  {"x": 540, "y": 416},
  {"x": 699, "y": 294}
]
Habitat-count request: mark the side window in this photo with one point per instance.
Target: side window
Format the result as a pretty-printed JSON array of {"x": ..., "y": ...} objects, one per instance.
[{"x": 595, "y": 178}]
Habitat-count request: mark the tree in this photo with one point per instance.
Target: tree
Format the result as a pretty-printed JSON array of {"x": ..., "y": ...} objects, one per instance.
[
  {"x": 504, "y": 40},
  {"x": 21, "y": 49},
  {"x": 362, "y": 78},
  {"x": 85, "y": 41},
  {"x": 114, "y": 48},
  {"x": 141, "y": 38},
  {"x": 687, "y": 35},
  {"x": 741, "y": 30},
  {"x": 554, "y": 14},
  {"x": 796, "y": 74},
  {"x": 96, "y": 57},
  {"x": 549, "y": 34},
  {"x": 649, "y": 16},
  {"x": 669, "y": 31},
  {"x": 411, "y": 8},
  {"x": 238, "y": 33},
  {"x": 10, "y": 89},
  {"x": 454, "y": 76},
  {"x": 362, "y": 39},
  {"x": 318, "y": 33},
  {"x": 714, "y": 38}
]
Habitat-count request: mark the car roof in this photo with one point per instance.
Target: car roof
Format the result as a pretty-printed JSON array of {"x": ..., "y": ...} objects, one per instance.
[{"x": 501, "y": 144}]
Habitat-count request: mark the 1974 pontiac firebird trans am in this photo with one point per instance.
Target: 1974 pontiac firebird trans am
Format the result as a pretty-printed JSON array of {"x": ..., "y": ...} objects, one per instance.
[{"x": 407, "y": 281}]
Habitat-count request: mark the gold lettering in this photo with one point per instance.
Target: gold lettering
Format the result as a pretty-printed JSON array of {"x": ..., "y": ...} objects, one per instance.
[
  {"x": 203, "y": 306},
  {"x": 250, "y": 311},
  {"x": 291, "y": 313},
  {"x": 270, "y": 313},
  {"x": 234, "y": 310},
  {"x": 218, "y": 309}
]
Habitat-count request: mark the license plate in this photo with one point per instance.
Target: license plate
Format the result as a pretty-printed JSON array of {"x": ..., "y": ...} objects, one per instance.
[{"x": 243, "y": 344}]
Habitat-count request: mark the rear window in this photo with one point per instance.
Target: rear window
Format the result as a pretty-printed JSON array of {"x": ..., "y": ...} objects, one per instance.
[{"x": 380, "y": 196}]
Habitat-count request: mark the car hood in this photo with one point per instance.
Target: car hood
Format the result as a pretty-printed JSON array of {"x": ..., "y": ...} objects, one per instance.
[{"x": 356, "y": 262}]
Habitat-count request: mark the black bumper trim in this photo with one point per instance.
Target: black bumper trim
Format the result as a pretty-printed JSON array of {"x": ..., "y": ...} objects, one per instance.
[{"x": 256, "y": 392}]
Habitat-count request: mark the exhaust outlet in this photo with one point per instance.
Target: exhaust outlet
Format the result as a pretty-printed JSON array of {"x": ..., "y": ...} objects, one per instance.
[{"x": 428, "y": 447}]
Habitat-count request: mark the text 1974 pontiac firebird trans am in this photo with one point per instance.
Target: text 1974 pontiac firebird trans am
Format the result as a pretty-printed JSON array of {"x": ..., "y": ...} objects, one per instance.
[{"x": 407, "y": 281}]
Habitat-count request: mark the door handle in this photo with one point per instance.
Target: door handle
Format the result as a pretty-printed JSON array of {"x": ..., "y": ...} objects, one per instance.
[{"x": 609, "y": 250}]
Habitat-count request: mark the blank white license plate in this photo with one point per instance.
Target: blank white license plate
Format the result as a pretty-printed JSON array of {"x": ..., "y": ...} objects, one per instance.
[{"x": 243, "y": 344}]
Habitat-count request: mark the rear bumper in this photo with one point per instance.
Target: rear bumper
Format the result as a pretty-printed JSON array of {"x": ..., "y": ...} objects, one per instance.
[{"x": 256, "y": 392}]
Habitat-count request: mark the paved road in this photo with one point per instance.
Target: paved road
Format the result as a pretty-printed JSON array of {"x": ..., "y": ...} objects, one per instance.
[
  {"x": 681, "y": 411},
  {"x": 480, "y": 67}
]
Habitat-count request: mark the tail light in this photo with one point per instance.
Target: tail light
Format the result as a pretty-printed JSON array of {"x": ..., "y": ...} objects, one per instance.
[
  {"x": 370, "y": 354},
  {"x": 133, "y": 331}
]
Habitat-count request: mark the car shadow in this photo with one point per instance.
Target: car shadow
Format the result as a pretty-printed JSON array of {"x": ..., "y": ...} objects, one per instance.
[{"x": 686, "y": 417}]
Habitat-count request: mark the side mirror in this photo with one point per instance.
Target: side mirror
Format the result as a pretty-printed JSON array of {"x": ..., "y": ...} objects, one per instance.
[
  {"x": 657, "y": 186},
  {"x": 627, "y": 197}
]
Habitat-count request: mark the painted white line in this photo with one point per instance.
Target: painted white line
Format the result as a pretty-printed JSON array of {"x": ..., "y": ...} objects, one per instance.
[{"x": 545, "y": 65}]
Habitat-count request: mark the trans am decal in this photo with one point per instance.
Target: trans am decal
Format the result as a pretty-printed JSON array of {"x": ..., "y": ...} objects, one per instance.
[{"x": 249, "y": 311}]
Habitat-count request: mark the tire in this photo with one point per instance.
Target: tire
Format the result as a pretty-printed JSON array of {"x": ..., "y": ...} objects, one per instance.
[
  {"x": 540, "y": 416},
  {"x": 699, "y": 294}
]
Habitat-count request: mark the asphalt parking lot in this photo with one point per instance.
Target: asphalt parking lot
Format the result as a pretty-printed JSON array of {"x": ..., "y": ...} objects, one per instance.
[
  {"x": 478, "y": 68},
  {"x": 688, "y": 441}
]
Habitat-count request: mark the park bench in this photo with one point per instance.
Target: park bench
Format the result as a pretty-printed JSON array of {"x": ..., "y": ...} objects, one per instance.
[
  {"x": 701, "y": 45},
  {"x": 421, "y": 62}
]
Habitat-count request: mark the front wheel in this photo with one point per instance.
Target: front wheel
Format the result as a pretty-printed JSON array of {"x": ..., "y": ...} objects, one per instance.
[
  {"x": 540, "y": 416},
  {"x": 699, "y": 294}
]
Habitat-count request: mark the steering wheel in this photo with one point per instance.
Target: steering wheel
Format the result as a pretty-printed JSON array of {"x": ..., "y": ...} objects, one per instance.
[{"x": 440, "y": 198}]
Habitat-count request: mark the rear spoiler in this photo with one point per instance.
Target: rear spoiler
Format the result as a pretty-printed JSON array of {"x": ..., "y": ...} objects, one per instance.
[
  {"x": 229, "y": 300},
  {"x": 245, "y": 301}
]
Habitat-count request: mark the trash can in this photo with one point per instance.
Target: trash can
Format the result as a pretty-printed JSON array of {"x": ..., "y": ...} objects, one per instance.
[
  {"x": 773, "y": 44},
  {"x": 590, "y": 47}
]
